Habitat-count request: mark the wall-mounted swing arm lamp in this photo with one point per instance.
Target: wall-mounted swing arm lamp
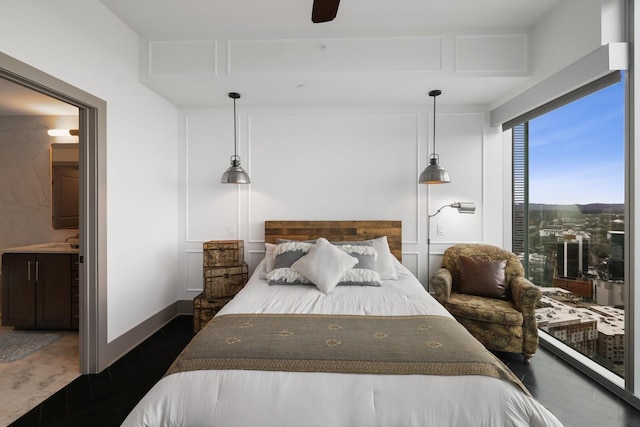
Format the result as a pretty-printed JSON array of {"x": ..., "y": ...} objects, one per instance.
[
  {"x": 463, "y": 208},
  {"x": 235, "y": 174},
  {"x": 434, "y": 173}
]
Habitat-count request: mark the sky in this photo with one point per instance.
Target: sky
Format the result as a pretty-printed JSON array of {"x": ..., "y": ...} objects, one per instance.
[{"x": 576, "y": 153}]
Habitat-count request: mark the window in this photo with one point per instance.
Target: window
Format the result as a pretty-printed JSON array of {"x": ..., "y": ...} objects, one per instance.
[{"x": 568, "y": 218}]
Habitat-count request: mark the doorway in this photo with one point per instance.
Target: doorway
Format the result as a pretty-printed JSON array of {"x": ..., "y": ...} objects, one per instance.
[{"x": 92, "y": 226}]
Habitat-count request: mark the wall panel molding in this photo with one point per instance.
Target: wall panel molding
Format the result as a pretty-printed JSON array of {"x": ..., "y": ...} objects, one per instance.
[
  {"x": 495, "y": 54},
  {"x": 332, "y": 55}
]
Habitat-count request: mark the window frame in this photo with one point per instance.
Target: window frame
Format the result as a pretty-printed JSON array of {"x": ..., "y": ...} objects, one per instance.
[{"x": 623, "y": 387}]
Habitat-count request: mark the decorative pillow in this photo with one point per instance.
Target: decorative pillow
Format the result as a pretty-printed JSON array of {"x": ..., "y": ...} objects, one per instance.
[
  {"x": 364, "y": 272},
  {"x": 287, "y": 276},
  {"x": 324, "y": 265},
  {"x": 384, "y": 261},
  {"x": 384, "y": 258},
  {"x": 364, "y": 251},
  {"x": 286, "y": 253},
  {"x": 482, "y": 278},
  {"x": 360, "y": 277}
]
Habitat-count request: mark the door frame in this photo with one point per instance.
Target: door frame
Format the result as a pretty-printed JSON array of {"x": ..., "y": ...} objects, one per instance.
[{"x": 93, "y": 210}]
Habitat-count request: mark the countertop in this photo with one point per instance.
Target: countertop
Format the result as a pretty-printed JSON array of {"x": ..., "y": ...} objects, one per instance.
[{"x": 50, "y": 248}]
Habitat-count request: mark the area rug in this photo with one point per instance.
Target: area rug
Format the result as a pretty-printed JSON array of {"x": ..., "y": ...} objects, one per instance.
[{"x": 16, "y": 345}]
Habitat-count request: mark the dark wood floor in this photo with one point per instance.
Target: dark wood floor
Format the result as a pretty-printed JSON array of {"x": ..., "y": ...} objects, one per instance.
[
  {"x": 105, "y": 399},
  {"x": 574, "y": 398}
]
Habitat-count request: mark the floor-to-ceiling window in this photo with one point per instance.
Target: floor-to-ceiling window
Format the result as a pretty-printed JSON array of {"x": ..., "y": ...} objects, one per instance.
[{"x": 568, "y": 218}]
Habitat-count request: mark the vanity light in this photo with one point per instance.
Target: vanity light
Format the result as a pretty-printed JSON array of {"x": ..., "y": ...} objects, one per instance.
[
  {"x": 235, "y": 174},
  {"x": 63, "y": 132},
  {"x": 434, "y": 173}
]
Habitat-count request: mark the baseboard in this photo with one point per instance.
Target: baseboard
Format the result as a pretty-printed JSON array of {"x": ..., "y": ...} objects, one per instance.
[
  {"x": 133, "y": 337},
  {"x": 185, "y": 306}
]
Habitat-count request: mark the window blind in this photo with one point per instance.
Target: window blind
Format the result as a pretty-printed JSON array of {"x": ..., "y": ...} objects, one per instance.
[{"x": 520, "y": 209}]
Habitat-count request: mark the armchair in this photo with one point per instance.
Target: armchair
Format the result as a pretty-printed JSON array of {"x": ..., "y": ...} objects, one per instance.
[{"x": 503, "y": 321}]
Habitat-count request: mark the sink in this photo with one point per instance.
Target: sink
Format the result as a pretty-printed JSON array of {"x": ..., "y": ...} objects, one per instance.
[{"x": 52, "y": 246}]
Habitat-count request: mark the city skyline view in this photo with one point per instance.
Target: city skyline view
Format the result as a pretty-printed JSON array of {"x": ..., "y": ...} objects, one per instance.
[
  {"x": 582, "y": 163},
  {"x": 575, "y": 230}
]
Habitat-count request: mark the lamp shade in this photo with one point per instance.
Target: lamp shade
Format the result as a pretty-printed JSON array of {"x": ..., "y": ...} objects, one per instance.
[
  {"x": 434, "y": 173},
  {"x": 235, "y": 174},
  {"x": 465, "y": 207}
]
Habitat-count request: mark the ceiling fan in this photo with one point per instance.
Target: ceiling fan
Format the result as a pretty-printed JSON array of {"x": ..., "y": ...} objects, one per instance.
[{"x": 324, "y": 10}]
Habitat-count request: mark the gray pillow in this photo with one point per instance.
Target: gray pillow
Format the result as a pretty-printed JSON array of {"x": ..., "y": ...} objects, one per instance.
[
  {"x": 286, "y": 253},
  {"x": 364, "y": 272},
  {"x": 364, "y": 251}
]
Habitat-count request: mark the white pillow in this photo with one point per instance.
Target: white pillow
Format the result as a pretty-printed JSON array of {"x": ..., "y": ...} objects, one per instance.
[
  {"x": 269, "y": 258},
  {"x": 269, "y": 255},
  {"x": 324, "y": 265},
  {"x": 384, "y": 261}
]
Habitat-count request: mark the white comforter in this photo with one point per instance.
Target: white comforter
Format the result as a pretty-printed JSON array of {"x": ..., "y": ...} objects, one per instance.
[{"x": 297, "y": 399}]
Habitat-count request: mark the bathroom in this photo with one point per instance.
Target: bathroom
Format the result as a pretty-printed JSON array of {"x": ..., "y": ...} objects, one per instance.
[{"x": 26, "y": 166}]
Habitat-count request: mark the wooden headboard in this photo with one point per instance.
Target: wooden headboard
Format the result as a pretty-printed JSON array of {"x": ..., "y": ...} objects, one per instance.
[{"x": 336, "y": 231}]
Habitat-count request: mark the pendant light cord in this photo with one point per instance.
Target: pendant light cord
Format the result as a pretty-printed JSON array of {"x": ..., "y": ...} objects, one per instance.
[
  {"x": 434, "y": 124},
  {"x": 434, "y": 93},
  {"x": 235, "y": 138}
]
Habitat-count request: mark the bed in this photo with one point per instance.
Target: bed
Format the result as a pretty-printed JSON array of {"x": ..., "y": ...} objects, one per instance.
[{"x": 283, "y": 382}]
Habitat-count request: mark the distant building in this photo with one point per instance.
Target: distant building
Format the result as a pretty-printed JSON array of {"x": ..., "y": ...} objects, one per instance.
[
  {"x": 573, "y": 326},
  {"x": 616, "y": 251},
  {"x": 596, "y": 329},
  {"x": 557, "y": 231},
  {"x": 573, "y": 257},
  {"x": 537, "y": 264},
  {"x": 610, "y": 333},
  {"x": 609, "y": 292},
  {"x": 583, "y": 288}
]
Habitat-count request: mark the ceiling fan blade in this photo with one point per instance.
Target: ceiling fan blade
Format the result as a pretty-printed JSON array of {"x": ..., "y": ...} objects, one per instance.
[{"x": 324, "y": 10}]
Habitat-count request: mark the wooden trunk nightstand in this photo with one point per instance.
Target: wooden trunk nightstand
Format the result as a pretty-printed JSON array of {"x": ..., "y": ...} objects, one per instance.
[{"x": 225, "y": 273}]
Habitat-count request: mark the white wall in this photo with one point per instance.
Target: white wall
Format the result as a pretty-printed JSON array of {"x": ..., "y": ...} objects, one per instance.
[
  {"x": 555, "y": 47},
  {"x": 333, "y": 163},
  {"x": 82, "y": 43},
  {"x": 566, "y": 34}
]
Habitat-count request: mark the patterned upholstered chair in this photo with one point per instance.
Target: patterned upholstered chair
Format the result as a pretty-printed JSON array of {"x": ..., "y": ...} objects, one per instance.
[{"x": 504, "y": 322}]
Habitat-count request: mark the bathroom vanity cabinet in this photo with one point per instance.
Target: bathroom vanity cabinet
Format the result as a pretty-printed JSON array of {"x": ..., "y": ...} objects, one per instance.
[{"x": 40, "y": 290}]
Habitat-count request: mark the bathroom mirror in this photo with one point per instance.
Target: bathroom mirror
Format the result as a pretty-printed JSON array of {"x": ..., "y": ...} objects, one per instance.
[{"x": 65, "y": 174}]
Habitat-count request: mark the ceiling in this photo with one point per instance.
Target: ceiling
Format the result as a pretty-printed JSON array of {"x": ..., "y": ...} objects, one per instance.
[
  {"x": 179, "y": 18},
  {"x": 291, "y": 19}
]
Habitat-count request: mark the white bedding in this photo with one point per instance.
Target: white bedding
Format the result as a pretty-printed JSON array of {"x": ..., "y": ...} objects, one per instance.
[{"x": 261, "y": 398}]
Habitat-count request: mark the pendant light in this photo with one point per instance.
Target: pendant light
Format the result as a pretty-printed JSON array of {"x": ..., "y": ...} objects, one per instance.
[
  {"x": 235, "y": 174},
  {"x": 434, "y": 173}
]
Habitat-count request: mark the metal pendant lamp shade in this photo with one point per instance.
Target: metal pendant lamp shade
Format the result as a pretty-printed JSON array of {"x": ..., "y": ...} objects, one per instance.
[
  {"x": 235, "y": 174},
  {"x": 434, "y": 173}
]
